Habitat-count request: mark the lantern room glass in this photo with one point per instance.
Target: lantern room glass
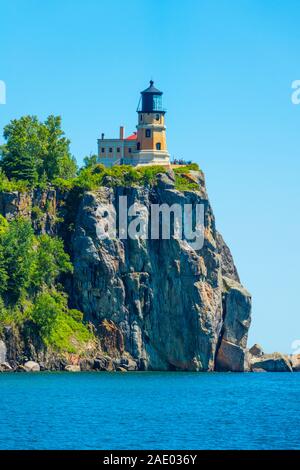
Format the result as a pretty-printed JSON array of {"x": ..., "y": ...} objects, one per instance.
[{"x": 157, "y": 103}]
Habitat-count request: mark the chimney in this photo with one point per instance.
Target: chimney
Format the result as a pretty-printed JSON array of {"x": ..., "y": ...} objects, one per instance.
[
  {"x": 102, "y": 136},
  {"x": 121, "y": 132}
]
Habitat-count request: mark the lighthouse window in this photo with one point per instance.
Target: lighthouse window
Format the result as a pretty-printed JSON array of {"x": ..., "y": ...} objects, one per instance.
[
  {"x": 103, "y": 150},
  {"x": 129, "y": 150},
  {"x": 148, "y": 133},
  {"x": 157, "y": 117},
  {"x": 141, "y": 117},
  {"x": 158, "y": 146},
  {"x": 118, "y": 149},
  {"x": 110, "y": 150},
  {"x": 138, "y": 146}
]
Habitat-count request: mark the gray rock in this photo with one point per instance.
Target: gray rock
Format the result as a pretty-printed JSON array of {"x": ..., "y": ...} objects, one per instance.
[
  {"x": 166, "y": 180},
  {"x": 159, "y": 302},
  {"x": 72, "y": 368},
  {"x": 256, "y": 350},
  {"x": 21, "y": 368},
  {"x": 86, "y": 364},
  {"x": 5, "y": 367},
  {"x": 3, "y": 351},
  {"x": 258, "y": 369},
  {"x": 32, "y": 366},
  {"x": 103, "y": 363},
  {"x": 228, "y": 267},
  {"x": 275, "y": 362},
  {"x": 295, "y": 362},
  {"x": 128, "y": 364},
  {"x": 236, "y": 323},
  {"x": 231, "y": 357}
]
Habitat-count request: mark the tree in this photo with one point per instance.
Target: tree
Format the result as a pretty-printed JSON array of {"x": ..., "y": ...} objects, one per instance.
[
  {"x": 50, "y": 261},
  {"x": 23, "y": 153},
  {"x": 18, "y": 254},
  {"x": 90, "y": 160},
  {"x": 58, "y": 162},
  {"x": 35, "y": 151},
  {"x": 46, "y": 309}
]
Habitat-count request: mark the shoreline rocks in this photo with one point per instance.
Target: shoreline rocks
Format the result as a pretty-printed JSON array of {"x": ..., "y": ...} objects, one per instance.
[
  {"x": 275, "y": 362},
  {"x": 258, "y": 361}
]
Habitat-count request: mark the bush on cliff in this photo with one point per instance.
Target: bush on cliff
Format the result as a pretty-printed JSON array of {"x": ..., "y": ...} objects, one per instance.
[
  {"x": 58, "y": 326},
  {"x": 184, "y": 181}
]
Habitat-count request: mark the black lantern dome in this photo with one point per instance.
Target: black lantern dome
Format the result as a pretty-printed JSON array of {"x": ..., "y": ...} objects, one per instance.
[{"x": 151, "y": 100}]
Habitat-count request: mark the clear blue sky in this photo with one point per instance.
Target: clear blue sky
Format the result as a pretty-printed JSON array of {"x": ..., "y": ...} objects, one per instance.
[{"x": 226, "y": 69}]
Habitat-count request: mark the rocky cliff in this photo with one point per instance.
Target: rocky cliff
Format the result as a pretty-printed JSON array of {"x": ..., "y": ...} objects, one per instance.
[{"x": 154, "y": 304}]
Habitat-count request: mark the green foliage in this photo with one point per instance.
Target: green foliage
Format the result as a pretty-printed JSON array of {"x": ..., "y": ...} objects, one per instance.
[
  {"x": 149, "y": 174},
  {"x": 3, "y": 272},
  {"x": 7, "y": 185},
  {"x": 60, "y": 328},
  {"x": 93, "y": 177},
  {"x": 49, "y": 262},
  {"x": 186, "y": 168},
  {"x": 68, "y": 334},
  {"x": 183, "y": 179},
  {"x": 46, "y": 308},
  {"x": 37, "y": 213},
  {"x": 22, "y": 154},
  {"x": 90, "y": 161},
  {"x": 183, "y": 184},
  {"x": 30, "y": 268},
  {"x": 36, "y": 152},
  {"x": 3, "y": 225},
  {"x": 5, "y": 318},
  {"x": 62, "y": 184},
  {"x": 17, "y": 245}
]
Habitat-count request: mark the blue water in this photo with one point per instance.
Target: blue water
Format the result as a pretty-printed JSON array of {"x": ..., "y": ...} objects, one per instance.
[{"x": 149, "y": 411}]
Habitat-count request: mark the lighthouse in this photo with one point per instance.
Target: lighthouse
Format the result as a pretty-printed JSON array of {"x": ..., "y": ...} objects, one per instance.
[{"x": 147, "y": 146}]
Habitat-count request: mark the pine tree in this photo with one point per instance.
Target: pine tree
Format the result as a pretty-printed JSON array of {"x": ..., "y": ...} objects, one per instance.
[{"x": 20, "y": 167}]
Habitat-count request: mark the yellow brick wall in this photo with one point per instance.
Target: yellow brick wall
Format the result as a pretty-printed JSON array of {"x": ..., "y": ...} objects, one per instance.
[{"x": 158, "y": 135}]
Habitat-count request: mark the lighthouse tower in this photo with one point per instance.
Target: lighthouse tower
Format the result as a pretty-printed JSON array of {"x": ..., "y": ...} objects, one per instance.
[{"x": 151, "y": 145}]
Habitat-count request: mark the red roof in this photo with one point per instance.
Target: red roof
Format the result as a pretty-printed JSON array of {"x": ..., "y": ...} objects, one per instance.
[{"x": 131, "y": 137}]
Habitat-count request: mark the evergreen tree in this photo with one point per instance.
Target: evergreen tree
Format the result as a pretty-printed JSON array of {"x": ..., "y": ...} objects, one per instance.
[
  {"x": 22, "y": 155},
  {"x": 35, "y": 150}
]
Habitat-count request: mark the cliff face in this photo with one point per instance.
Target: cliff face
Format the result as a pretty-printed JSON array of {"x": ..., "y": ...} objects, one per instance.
[
  {"x": 173, "y": 307},
  {"x": 155, "y": 304}
]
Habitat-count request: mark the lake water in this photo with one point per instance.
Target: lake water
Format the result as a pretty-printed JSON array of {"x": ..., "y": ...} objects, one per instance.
[{"x": 149, "y": 410}]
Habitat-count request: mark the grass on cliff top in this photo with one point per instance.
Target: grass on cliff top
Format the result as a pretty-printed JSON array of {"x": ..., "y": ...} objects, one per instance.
[
  {"x": 97, "y": 175},
  {"x": 125, "y": 175}
]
